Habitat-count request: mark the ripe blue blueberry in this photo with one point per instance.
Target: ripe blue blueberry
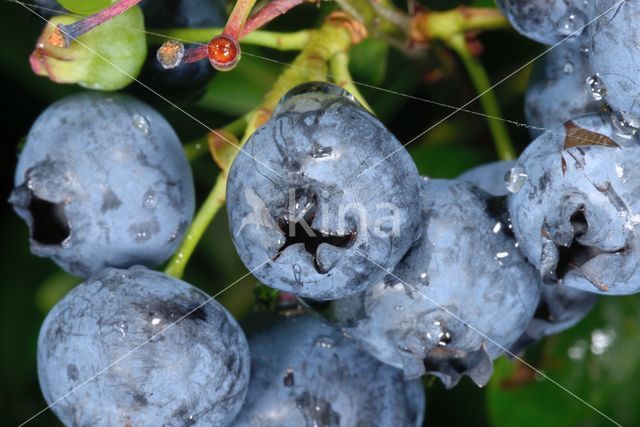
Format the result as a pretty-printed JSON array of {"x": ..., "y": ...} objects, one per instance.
[
  {"x": 459, "y": 297},
  {"x": 556, "y": 91},
  {"x": 615, "y": 59},
  {"x": 306, "y": 373},
  {"x": 560, "y": 308},
  {"x": 103, "y": 182},
  {"x": 321, "y": 195},
  {"x": 545, "y": 21},
  {"x": 489, "y": 177},
  {"x": 178, "y": 357},
  {"x": 576, "y": 214}
]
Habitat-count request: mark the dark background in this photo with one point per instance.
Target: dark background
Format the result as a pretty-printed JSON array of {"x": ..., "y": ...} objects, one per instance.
[{"x": 30, "y": 285}]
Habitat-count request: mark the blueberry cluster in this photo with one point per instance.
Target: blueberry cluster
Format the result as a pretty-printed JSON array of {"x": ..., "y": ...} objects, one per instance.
[{"x": 398, "y": 275}]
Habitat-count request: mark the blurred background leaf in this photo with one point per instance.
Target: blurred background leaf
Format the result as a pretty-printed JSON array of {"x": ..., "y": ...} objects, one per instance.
[{"x": 597, "y": 360}]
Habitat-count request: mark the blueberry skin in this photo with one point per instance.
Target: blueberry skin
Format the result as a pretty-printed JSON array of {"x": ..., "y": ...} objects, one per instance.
[
  {"x": 545, "y": 21},
  {"x": 556, "y": 91},
  {"x": 577, "y": 215},
  {"x": 305, "y": 373},
  {"x": 467, "y": 263},
  {"x": 489, "y": 177},
  {"x": 305, "y": 163},
  {"x": 559, "y": 309},
  {"x": 188, "y": 81},
  {"x": 615, "y": 54},
  {"x": 103, "y": 182},
  {"x": 195, "y": 372}
]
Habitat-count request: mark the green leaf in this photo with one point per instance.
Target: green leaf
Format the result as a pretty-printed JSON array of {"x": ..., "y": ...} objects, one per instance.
[
  {"x": 597, "y": 360},
  {"x": 53, "y": 289},
  {"x": 368, "y": 61}
]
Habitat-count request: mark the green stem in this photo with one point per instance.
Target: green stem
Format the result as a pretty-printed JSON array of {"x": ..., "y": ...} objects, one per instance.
[
  {"x": 488, "y": 99},
  {"x": 195, "y": 149},
  {"x": 341, "y": 75},
  {"x": 271, "y": 39},
  {"x": 201, "y": 222}
]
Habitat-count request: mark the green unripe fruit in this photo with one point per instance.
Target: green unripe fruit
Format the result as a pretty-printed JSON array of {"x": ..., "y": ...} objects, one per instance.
[
  {"x": 84, "y": 7},
  {"x": 109, "y": 57}
]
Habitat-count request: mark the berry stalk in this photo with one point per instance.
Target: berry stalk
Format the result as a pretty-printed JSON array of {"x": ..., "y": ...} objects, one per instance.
[
  {"x": 64, "y": 34},
  {"x": 341, "y": 75},
  {"x": 270, "y": 39},
  {"x": 267, "y": 14},
  {"x": 489, "y": 102},
  {"x": 215, "y": 200}
]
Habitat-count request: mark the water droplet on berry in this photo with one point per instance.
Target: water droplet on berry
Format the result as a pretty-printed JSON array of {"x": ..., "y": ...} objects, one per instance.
[
  {"x": 568, "y": 25},
  {"x": 568, "y": 68},
  {"x": 122, "y": 328},
  {"x": 624, "y": 124},
  {"x": 399, "y": 308},
  {"x": 515, "y": 178},
  {"x": 140, "y": 123},
  {"x": 224, "y": 52},
  {"x": 325, "y": 342},
  {"x": 321, "y": 152},
  {"x": 318, "y": 87},
  {"x": 150, "y": 199},
  {"x": 595, "y": 87}
]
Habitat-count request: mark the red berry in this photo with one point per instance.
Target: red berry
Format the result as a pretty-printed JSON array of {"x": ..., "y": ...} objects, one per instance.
[{"x": 224, "y": 52}]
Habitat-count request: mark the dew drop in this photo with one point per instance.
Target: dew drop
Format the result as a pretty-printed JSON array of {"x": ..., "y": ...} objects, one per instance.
[
  {"x": 399, "y": 308},
  {"x": 568, "y": 68},
  {"x": 150, "y": 199},
  {"x": 515, "y": 178},
  {"x": 624, "y": 124},
  {"x": 568, "y": 25},
  {"x": 595, "y": 87},
  {"x": 140, "y": 123},
  {"x": 325, "y": 342},
  {"x": 122, "y": 328}
]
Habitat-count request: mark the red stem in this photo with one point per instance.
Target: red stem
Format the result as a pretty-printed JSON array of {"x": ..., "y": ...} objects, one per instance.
[
  {"x": 75, "y": 30},
  {"x": 267, "y": 14},
  {"x": 237, "y": 19}
]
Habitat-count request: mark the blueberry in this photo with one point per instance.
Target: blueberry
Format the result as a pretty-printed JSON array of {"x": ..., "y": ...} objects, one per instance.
[
  {"x": 560, "y": 308},
  {"x": 545, "y": 21},
  {"x": 576, "y": 212},
  {"x": 306, "y": 373},
  {"x": 456, "y": 300},
  {"x": 556, "y": 91},
  {"x": 187, "y": 81},
  {"x": 103, "y": 182},
  {"x": 615, "y": 59},
  {"x": 489, "y": 177},
  {"x": 320, "y": 194},
  {"x": 195, "y": 372}
]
